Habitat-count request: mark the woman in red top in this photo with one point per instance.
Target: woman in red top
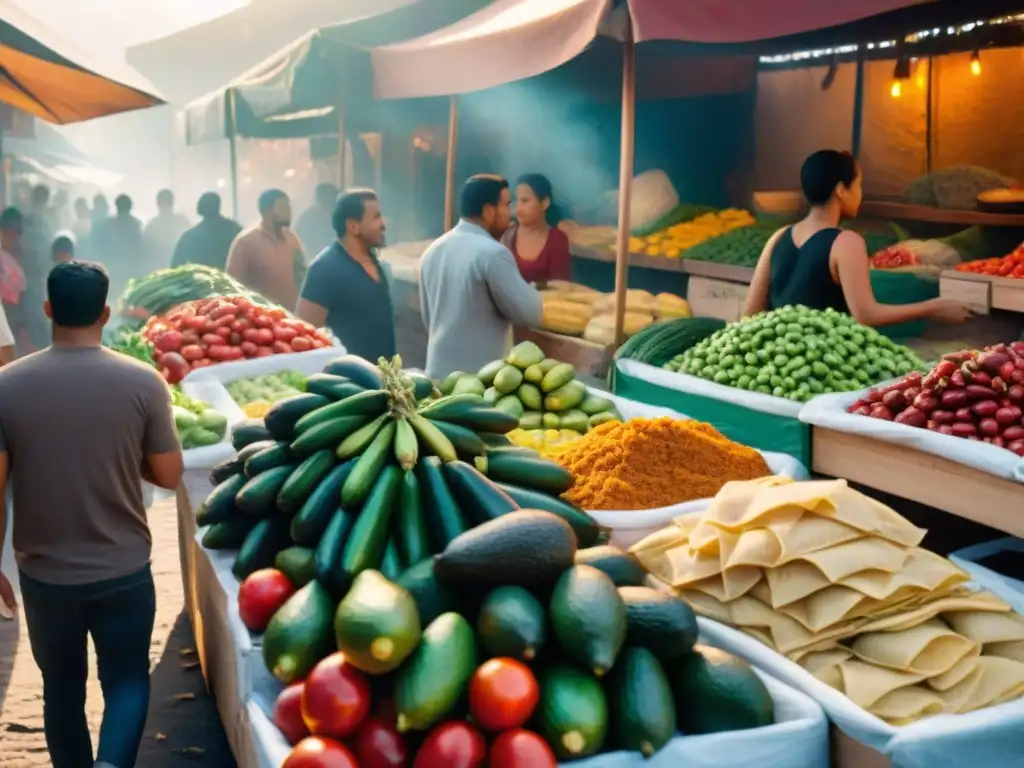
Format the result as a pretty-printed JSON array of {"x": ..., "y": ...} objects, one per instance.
[{"x": 541, "y": 250}]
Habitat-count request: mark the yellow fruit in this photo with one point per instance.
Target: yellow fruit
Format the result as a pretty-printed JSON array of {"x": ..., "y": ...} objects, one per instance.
[{"x": 561, "y": 316}]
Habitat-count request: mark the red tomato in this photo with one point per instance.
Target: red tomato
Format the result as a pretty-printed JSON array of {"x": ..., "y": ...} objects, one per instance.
[
  {"x": 196, "y": 323},
  {"x": 218, "y": 352},
  {"x": 319, "y": 344},
  {"x": 233, "y": 353},
  {"x": 521, "y": 749},
  {"x": 284, "y": 333},
  {"x": 168, "y": 341},
  {"x": 226, "y": 321},
  {"x": 223, "y": 331},
  {"x": 240, "y": 325},
  {"x": 177, "y": 367},
  {"x": 222, "y": 310},
  {"x": 264, "y": 337},
  {"x": 336, "y": 698},
  {"x": 452, "y": 745},
  {"x": 502, "y": 694},
  {"x": 248, "y": 348},
  {"x": 192, "y": 352},
  {"x": 260, "y": 595},
  {"x": 265, "y": 352},
  {"x": 280, "y": 348},
  {"x": 251, "y": 334},
  {"x": 157, "y": 354},
  {"x": 287, "y": 715},
  {"x": 202, "y": 363},
  {"x": 262, "y": 321},
  {"x": 317, "y": 752},
  {"x": 209, "y": 326},
  {"x": 189, "y": 337},
  {"x": 301, "y": 344},
  {"x": 209, "y": 339},
  {"x": 379, "y": 745}
]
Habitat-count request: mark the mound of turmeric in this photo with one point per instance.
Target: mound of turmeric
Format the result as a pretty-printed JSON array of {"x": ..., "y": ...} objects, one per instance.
[{"x": 650, "y": 463}]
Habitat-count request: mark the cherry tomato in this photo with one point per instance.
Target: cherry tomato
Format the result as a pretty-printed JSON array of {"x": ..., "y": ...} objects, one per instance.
[
  {"x": 301, "y": 344},
  {"x": 264, "y": 337},
  {"x": 318, "y": 752},
  {"x": 196, "y": 323},
  {"x": 260, "y": 595},
  {"x": 248, "y": 348},
  {"x": 502, "y": 694},
  {"x": 280, "y": 348},
  {"x": 222, "y": 310},
  {"x": 209, "y": 326},
  {"x": 521, "y": 749},
  {"x": 251, "y": 334},
  {"x": 192, "y": 352},
  {"x": 287, "y": 715},
  {"x": 262, "y": 321},
  {"x": 336, "y": 698},
  {"x": 319, "y": 344},
  {"x": 226, "y": 321},
  {"x": 189, "y": 337},
  {"x": 210, "y": 339},
  {"x": 177, "y": 367},
  {"x": 284, "y": 333},
  {"x": 235, "y": 339},
  {"x": 223, "y": 331},
  {"x": 276, "y": 313},
  {"x": 380, "y": 745},
  {"x": 265, "y": 352},
  {"x": 202, "y": 363},
  {"x": 240, "y": 325},
  {"x": 452, "y": 745},
  {"x": 168, "y": 341}
]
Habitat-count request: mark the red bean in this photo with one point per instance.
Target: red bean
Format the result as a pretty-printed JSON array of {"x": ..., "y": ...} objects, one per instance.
[
  {"x": 964, "y": 429},
  {"x": 981, "y": 378},
  {"x": 991, "y": 361},
  {"x": 873, "y": 396},
  {"x": 1017, "y": 446},
  {"x": 954, "y": 398},
  {"x": 985, "y": 408},
  {"x": 879, "y": 411},
  {"x": 864, "y": 410},
  {"x": 1006, "y": 416},
  {"x": 1006, "y": 370},
  {"x": 894, "y": 400},
  {"x": 998, "y": 385},
  {"x": 944, "y": 429},
  {"x": 999, "y": 441},
  {"x": 957, "y": 379},
  {"x": 977, "y": 392},
  {"x": 912, "y": 417},
  {"x": 988, "y": 427},
  {"x": 927, "y": 402},
  {"x": 945, "y": 368},
  {"x": 964, "y": 414},
  {"x": 1013, "y": 433},
  {"x": 1016, "y": 392},
  {"x": 1017, "y": 377},
  {"x": 911, "y": 393},
  {"x": 943, "y": 417}
]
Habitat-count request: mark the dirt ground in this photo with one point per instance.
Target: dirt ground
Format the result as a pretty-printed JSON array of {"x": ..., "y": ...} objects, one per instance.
[{"x": 183, "y": 727}]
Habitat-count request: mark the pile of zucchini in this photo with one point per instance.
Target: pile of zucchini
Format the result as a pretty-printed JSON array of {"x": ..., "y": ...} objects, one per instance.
[{"x": 372, "y": 469}]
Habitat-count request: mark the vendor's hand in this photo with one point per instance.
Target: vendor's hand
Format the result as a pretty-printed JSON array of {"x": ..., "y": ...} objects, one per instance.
[
  {"x": 7, "y": 599},
  {"x": 950, "y": 311}
]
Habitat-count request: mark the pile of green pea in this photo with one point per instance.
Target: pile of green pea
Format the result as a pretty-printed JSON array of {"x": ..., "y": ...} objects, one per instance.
[{"x": 797, "y": 353}]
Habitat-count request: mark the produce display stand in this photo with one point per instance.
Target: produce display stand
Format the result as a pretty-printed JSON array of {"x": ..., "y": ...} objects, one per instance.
[{"x": 982, "y": 293}]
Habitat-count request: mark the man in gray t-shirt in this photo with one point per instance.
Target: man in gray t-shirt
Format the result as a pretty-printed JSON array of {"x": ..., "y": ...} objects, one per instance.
[{"x": 80, "y": 428}]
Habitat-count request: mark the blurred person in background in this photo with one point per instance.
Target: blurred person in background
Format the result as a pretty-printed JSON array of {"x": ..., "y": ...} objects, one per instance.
[
  {"x": 62, "y": 217},
  {"x": 471, "y": 292},
  {"x": 540, "y": 248},
  {"x": 83, "y": 219},
  {"x": 209, "y": 241},
  {"x": 163, "y": 230},
  {"x": 315, "y": 226},
  {"x": 100, "y": 209},
  {"x": 346, "y": 287},
  {"x": 267, "y": 257},
  {"x": 34, "y": 331},
  {"x": 116, "y": 242},
  {"x": 63, "y": 249},
  {"x": 12, "y": 280}
]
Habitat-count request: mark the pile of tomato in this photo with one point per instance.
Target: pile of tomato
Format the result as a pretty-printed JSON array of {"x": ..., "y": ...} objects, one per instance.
[
  {"x": 1011, "y": 265},
  {"x": 894, "y": 256},
  {"x": 217, "y": 330}
]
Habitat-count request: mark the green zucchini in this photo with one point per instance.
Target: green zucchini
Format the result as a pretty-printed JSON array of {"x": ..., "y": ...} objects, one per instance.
[
  {"x": 312, "y": 519},
  {"x": 268, "y": 537},
  {"x": 588, "y": 532},
  {"x": 352, "y": 367},
  {"x": 467, "y": 443},
  {"x": 365, "y": 547},
  {"x": 328, "y": 434},
  {"x": 391, "y": 566},
  {"x": 230, "y": 534},
  {"x": 444, "y": 519},
  {"x": 303, "y": 480},
  {"x": 531, "y": 471},
  {"x": 332, "y": 387},
  {"x": 273, "y": 456},
  {"x": 370, "y": 403},
  {"x": 368, "y": 467},
  {"x": 248, "y": 431},
  {"x": 298, "y": 564},
  {"x": 481, "y": 418},
  {"x": 258, "y": 497},
  {"x": 484, "y": 500},
  {"x": 225, "y": 469},
  {"x": 411, "y": 537},
  {"x": 492, "y": 440},
  {"x": 327, "y": 559},
  {"x": 220, "y": 504},
  {"x": 280, "y": 419},
  {"x": 450, "y": 406}
]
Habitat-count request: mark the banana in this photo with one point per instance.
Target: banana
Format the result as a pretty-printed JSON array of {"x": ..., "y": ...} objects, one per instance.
[
  {"x": 407, "y": 449},
  {"x": 433, "y": 439}
]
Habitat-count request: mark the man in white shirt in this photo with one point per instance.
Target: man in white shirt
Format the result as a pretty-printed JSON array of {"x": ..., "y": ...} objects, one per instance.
[{"x": 471, "y": 292}]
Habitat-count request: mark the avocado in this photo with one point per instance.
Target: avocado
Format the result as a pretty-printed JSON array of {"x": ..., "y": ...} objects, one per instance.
[
  {"x": 430, "y": 684},
  {"x": 621, "y": 567},
  {"x": 588, "y": 617},
  {"x": 508, "y": 379},
  {"x": 469, "y": 385},
  {"x": 642, "y": 708},
  {"x": 489, "y": 371},
  {"x": 214, "y": 421},
  {"x": 511, "y": 623},
  {"x": 717, "y": 692},
  {"x": 298, "y": 564},
  {"x": 524, "y": 354},
  {"x": 299, "y": 634},
  {"x": 184, "y": 420},
  {"x": 572, "y": 714},
  {"x": 524, "y": 548},
  {"x": 662, "y": 623},
  {"x": 432, "y": 596},
  {"x": 448, "y": 382},
  {"x": 377, "y": 625}
]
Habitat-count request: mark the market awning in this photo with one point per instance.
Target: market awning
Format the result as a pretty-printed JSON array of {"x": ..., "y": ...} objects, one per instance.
[
  {"x": 49, "y": 77},
  {"x": 296, "y": 92},
  {"x": 49, "y": 153}
]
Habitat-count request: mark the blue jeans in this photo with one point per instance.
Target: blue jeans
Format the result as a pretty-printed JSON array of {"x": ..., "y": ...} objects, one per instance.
[{"x": 119, "y": 614}]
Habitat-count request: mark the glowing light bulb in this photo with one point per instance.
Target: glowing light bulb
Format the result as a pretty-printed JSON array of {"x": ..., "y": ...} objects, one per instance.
[
  {"x": 976, "y": 64},
  {"x": 897, "y": 89}
]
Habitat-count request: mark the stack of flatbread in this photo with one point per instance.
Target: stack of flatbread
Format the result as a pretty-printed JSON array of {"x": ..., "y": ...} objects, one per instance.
[{"x": 836, "y": 582}]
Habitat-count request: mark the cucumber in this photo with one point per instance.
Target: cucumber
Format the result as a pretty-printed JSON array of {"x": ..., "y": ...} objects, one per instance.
[
  {"x": 328, "y": 434},
  {"x": 360, "y": 440},
  {"x": 476, "y": 494},
  {"x": 258, "y": 497},
  {"x": 365, "y": 474},
  {"x": 280, "y": 419},
  {"x": 531, "y": 471},
  {"x": 268, "y": 537},
  {"x": 411, "y": 538},
  {"x": 270, "y": 457},
  {"x": 467, "y": 443},
  {"x": 422, "y": 386},
  {"x": 312, "y": 519},
  {"x": 588, "y": 532},
  {"x": 298, "y": 564},
  {"x": 303, "y": 480},
  {"x": 369, "y": 538},
  {"x": 621, "y": 567},
  {"x": 369, "y": 403},
  {"x": 327, "y": 557},
  {"x": 225, "y": 470},
  {"x": 332, "y": 387},
  {"x": 248, "y": 431},
  {"x": 492, "y": 440},
  {"x": 220, "y": 504},
  {"x": 481, "y": 418},
  {"x": 450, "y": 406},
  {"x": 356, "y": 369},
  {"x": 444, "y": 519},
  {"x": 228, "y": 535},
  {"x": 252, "y": 449},
  {"x": 391, "y": 566}
]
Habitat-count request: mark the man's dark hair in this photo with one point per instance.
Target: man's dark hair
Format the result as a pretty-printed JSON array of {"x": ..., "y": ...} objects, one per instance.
[
  {"x": 40, "y": 195},
  {"x": 63, "y": 244},
  {"x": 164, "y": 197},
  {"x": 77, "y": 291},
  {"x": 823, "y": 171},
  {"x": 269, "y": 198},
  {"x": 326, "y": 194},
  {"x": 478, "y": 191},
  {"x": 123, "y": 204},
  {"x": 351, "y": 205},
  {"x": 208, "y": 205},
  {"x": 11, "y": 218}
]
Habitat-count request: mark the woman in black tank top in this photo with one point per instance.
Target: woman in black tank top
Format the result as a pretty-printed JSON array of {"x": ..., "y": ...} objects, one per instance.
[{"x": 819, "y": 265}]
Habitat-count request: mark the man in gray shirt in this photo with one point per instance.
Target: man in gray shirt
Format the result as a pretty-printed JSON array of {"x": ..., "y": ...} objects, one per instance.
[
  {"x": 80, "y": 428},
  {"x": 471, "y": 292}
]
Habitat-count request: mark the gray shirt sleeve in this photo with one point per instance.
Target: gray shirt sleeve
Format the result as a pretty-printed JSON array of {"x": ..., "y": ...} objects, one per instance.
[
  {"x": 421, "y": 282},
  {"x": 516, "y": 300},
  {"x": 160, "y": 435}
]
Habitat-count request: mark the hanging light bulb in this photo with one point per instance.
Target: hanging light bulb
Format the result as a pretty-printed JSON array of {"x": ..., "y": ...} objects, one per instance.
[
  {"x": 899, "y": 74},
  {"x": 976, "y": 63}
]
